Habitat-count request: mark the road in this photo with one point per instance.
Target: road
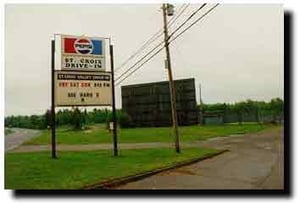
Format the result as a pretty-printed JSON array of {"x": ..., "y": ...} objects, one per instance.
[
  {"x": 255, "y": 161},
  {"x": 18, "y": 137}
]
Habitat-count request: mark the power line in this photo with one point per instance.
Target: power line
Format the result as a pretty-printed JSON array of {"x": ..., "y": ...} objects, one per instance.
[
  {"x": 147, "y": 53},
  {"x": 153, "y": 38},
  {"x": 179, "y": 14},
  {"x": 189, "y": 18},
  {"x": 194, "y": 22},
  {"x": 139, "y": 60},
  {"x": 140, "y": 66},
  {"x": 118, "y": 78},
  {"x": 163, "y": 46}
]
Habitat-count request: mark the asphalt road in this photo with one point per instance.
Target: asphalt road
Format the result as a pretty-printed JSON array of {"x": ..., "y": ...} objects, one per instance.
[
  {"x": 18, "y": 137},
  {"x": 255, "y": 161}
]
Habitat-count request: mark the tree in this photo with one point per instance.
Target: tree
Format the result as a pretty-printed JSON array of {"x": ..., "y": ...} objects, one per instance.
[
  {"x": 242, "y": 108},
  {"x": 34, "y": 122},
  {"x": 238, "y": 108},
  {"x": 124, "y": 120},
  {"x": 85, "y": 119},
  {"x": 47, "y": 116},
  {"x": 77, "y": 119},
  {"x": 276, "y": 106}
]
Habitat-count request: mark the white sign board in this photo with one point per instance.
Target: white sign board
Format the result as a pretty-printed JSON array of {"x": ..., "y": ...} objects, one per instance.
[
  {"x": 74, "y": 88},
  {"x": 82, "y": 53}
]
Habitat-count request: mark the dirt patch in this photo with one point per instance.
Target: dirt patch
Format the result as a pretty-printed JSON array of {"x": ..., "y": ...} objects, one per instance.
[{"x": 177, "y": 172}]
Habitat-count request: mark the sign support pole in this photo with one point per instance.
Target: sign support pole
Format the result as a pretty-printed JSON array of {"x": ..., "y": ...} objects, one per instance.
[
  {"x": 53, "y": 143},
  {"x": 113, "y": 101}
]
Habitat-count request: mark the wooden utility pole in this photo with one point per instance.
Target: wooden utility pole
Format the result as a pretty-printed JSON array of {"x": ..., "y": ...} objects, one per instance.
[
  {"x": 200, "y": 95},
  {"x": 171, "y": 82},
  {"x": 200, "y": 106}
]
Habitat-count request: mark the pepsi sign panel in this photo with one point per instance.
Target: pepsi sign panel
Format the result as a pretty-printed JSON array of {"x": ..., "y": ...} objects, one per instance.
[{"x": 82, "y": 53}]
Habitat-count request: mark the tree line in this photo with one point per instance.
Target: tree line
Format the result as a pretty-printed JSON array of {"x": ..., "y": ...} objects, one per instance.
[
  {"x": 237, "y": 112},
  {"x": 74, "y": 117},
  {"x": 249, "y": 110}
]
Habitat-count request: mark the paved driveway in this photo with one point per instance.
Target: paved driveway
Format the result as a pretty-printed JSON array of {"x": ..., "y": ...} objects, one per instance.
[
  {"x": 18, "y": 137},
  {"x": 254, "y": 161}
]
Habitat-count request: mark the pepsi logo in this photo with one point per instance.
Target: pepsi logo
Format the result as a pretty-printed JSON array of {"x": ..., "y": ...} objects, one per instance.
[{"x": 83, "y": 46}]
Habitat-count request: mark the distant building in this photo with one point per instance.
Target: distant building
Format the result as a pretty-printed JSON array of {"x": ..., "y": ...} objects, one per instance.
[{"x": 149, "y": 104}]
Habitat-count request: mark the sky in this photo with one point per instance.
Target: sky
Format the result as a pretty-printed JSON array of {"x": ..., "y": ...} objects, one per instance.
[{"x": 236, "y": 52}]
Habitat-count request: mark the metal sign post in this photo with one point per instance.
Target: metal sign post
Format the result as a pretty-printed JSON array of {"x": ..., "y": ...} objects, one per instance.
[
  {"x": 113, "y": 101},
  {"x": 53, "y": 142}
]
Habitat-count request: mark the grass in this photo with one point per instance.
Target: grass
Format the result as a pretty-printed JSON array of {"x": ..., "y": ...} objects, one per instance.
[
  {"x": 8, "y": 131},
  {"x": 98, "y": 134},
  {"x": 74, "y": 170}
]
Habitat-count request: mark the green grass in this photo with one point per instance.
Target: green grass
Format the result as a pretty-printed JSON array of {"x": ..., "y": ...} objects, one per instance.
[
  {"x": 98, "y": 134},
  {"x": 73, "y": 170},
  {"x": 8, "y": 131}
]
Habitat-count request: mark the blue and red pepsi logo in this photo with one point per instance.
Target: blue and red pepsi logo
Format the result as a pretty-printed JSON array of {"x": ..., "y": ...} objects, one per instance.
[{"x": 82, "y": 46}]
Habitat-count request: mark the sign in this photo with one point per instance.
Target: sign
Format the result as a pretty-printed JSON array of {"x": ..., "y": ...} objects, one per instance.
[
  {"x": 74, "y": 88},
  {"x": 82, "y": 53},
  {"x": 111, "y": 126}
]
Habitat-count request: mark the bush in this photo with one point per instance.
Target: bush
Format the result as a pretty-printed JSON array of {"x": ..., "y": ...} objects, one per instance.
[
  {"x": 123, "y": 119},
  {"x": 78, "y": 119}
]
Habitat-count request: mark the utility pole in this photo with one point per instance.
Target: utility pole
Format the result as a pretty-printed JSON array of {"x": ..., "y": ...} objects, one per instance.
[
  {"x": 169, "y": 8},
  {"x": 200, "y": 106},
  {"x": 200, "y": 94}
]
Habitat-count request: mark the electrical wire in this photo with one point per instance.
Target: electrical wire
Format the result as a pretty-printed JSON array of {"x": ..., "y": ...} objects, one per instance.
[
  {"x": 149, "y": 41},
  {"x": 194, "y": 23},
  {"x": 163, "y": 47},
  {"x": 141, "y": 59},
  {"x": 180, "y": 12},
  {"x": 189, "y": 18},
  {"x": 153, "y": 38},
  {"x": 119, "y": 82},
  {"x": 198, "y": 19}
]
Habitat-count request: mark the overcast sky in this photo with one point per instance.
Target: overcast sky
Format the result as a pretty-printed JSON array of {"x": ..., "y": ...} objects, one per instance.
[{"x": 236, "y": 52}]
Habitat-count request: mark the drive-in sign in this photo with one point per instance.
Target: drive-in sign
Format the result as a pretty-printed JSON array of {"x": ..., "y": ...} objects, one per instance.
[
  {"x": 82, "y": 53},
  {"x": 73, "y": 88},
  {"x": 79, "y": 77}
]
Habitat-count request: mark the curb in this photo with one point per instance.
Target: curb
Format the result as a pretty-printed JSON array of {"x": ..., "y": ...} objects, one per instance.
[{"x": 123, "y": 180}]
